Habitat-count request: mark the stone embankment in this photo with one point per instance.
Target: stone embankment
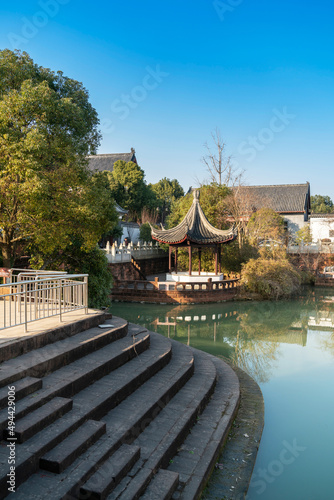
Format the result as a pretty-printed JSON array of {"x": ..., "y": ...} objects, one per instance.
[{"x": 113, "y": 413}]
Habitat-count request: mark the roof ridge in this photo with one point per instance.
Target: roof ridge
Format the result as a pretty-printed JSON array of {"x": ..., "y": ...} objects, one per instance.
[
  {"x": 110, "y": 154},
  {"x": 275, "y": 185}
]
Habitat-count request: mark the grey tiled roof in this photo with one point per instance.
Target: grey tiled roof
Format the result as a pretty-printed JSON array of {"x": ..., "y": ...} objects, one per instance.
[
  {"x": 322, "y": 216},
  {"x": 99, "y": 163},
  {"x": 284, "y": 198},
  {"x": 195, "y": 227},
  {"x": 120, "y": 210}
]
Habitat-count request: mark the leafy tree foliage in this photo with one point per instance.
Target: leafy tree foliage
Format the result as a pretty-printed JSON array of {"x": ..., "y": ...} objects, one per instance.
[
  {"x": 129, "y": 188},
  {"x": 145, "y": 233},
  {"x": 321, "y": 204},
  {"x": 47, "y": 128},
  {"x": 304, "y": 236},
  {"x": 76, "y": 260},
  {"x": 212, "y": 198},
  {"x": 167, "y": 192},
  {"x": 265, "y": 225}
]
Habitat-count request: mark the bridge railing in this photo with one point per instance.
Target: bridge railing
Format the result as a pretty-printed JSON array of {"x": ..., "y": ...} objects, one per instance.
[
  {"x": 123, "y": 253},
  {"x": 33, "y": 298}
]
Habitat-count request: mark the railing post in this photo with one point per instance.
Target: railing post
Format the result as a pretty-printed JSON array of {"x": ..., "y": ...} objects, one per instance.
[
  {"x": 25, "y": 309},
  {"x": 59, "y": 300},
  {"x": 86, "y": 294}
]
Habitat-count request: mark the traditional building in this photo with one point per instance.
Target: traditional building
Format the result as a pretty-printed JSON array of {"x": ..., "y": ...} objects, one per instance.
[
  {"x": 322, "y": 227},
  {"x": 100, "y": 163},
  {"x": 291, "y": 201},
  {"x": 195, "y": 231}
]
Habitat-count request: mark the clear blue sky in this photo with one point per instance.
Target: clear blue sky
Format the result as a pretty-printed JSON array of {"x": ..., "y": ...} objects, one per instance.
[{"x": 163, "y": 75}]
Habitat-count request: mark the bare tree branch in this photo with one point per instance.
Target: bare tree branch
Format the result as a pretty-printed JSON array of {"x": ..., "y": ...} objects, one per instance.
[{"x": 218, "y": 164}]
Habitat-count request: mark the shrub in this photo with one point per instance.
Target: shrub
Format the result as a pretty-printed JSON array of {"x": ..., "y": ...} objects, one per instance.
[{"x": 270, "y": 278}]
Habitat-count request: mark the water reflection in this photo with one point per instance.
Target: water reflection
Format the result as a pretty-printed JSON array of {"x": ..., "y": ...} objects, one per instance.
[{"x": 251, "y": 334}]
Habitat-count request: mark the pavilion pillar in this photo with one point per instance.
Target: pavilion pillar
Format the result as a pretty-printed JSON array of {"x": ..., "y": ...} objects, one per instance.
[
  {"x": 176, "y": 249},
  {"x": 189, "y": 251},
  {"x": 220, "y": 259},
  {"x": 216, "y": 260},
  {"x": 199, "y": 261},
  {"x": 170, "y": 258}
]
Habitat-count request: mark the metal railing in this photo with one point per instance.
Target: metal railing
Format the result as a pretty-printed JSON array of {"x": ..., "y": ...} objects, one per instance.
[{"x": 33, "y": 298}]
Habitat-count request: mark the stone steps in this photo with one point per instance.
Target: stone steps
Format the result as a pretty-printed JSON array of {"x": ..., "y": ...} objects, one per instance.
[
  {"x": 162, "y": 486},
  {"x": 72, "y": 378},
  {"x": 138, "y": 406},
  {"x": 124, "y": 424},
  {"x": 110, "y": 473},
  {"x": 160, "y": 441},
  {"x": 16, "y": 347},
  {"x": 49, "y": 358},
  {"x": 60, "y": 457},
  {"x": 199, "y": 452},
  {"x": 34, "y": 422},
  {"x": 94, "y": 401}
]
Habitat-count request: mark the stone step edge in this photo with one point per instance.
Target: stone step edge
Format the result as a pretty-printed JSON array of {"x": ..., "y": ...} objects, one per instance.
[
  {"x": 21, "y": 346},
  {"x": 41, "y": 363},
  {"x": 249, "y": 421},
  {"x": 22, "y": 388},
  {"x": 110, "y": 473},
  {"x": 60, "y": 457},
  {"x": 162, "y": 486},
  {"x": 28, "y": 426}
]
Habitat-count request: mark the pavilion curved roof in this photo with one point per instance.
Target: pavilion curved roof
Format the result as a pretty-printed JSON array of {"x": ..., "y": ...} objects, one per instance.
[{"x": 195, "y": 228}]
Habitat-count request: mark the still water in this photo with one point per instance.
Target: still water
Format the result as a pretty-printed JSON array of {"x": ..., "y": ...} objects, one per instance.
[{"x": 288, "y": 348}]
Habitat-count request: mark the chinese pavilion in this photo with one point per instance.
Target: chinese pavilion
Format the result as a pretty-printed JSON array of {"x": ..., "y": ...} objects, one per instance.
[{"x": 195, "y": 231}]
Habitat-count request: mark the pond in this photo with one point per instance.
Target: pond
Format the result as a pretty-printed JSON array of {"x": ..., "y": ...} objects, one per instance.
[{"x": 288, "y": 348}]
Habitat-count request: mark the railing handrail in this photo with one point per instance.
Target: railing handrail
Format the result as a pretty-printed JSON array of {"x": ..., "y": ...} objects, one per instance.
[{"x": 39, "y": 280}]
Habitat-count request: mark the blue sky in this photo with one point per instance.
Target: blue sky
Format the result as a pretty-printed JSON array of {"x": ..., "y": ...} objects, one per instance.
[{"x": 163, "y": 75}]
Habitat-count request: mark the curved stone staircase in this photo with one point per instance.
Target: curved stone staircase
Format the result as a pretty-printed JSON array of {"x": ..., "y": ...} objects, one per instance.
[{"x": 115, "y": 413}]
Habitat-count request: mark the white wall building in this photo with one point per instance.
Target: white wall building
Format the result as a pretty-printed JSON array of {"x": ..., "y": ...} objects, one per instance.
[{"x": 322, "y": 227}]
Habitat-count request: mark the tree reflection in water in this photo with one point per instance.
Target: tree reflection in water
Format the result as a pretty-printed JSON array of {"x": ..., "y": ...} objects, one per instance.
[{"x": 248, "y": 333}]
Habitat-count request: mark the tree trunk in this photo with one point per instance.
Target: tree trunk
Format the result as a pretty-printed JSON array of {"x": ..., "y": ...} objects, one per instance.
[{"x": 6, "y": 255}]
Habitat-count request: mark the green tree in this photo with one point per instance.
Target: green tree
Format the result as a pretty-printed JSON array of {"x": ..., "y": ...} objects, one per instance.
[
  {"x": 76, "y": 260},
  {"x": 167, "y": 192},
  {"x": 265, "y": 225},
  {"x": 129, "y": 188},
  {"x": 321, "y": 204},
  {"x": 47, "y": 128},
  {"x": 212, "y": 198},
  {"x": 145, "y": 233},
  {"x": 304, "y": 236}
]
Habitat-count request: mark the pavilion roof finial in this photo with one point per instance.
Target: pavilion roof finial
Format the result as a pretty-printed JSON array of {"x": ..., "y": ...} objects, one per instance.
[{"x": 196, "y": 194}]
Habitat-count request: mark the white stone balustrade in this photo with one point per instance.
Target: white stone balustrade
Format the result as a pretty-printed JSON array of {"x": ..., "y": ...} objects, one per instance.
[{"x": 123, "y": 253}]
